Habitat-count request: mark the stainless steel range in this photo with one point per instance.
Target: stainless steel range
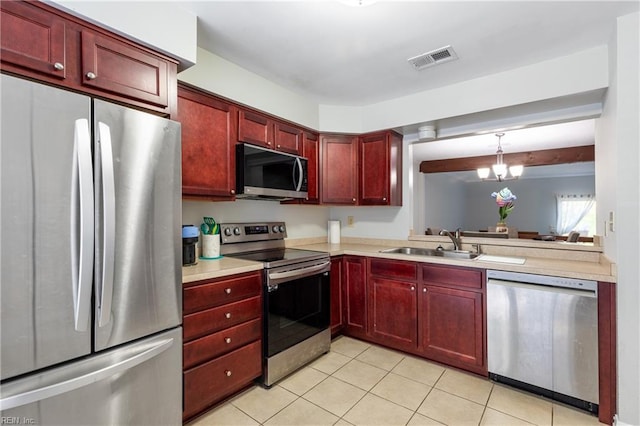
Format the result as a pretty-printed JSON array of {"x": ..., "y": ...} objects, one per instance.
[{"x": 296, "y": 295}]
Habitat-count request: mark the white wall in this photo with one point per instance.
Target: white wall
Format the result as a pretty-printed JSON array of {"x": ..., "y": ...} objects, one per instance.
[
  {"x": 302, "y": 221},
  {"x": 535, "y": 208},
  {"x": 224, "y": 78},
  {"x": 141, "y": 20},
  {"x": 618, "y": 180},
  {"x": 444, "y": 202},
  {"x": 568, "y": 75}
]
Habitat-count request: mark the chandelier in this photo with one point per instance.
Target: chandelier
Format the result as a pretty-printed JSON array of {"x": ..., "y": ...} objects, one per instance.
[{"x": 500, "y": 168}]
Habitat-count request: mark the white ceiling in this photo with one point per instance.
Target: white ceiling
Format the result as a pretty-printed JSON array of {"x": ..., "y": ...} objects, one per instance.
[{"x": 336, "y": 54}]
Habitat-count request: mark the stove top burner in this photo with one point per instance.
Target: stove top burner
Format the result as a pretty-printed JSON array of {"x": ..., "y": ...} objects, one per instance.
[{"x": 281, "y": 257}]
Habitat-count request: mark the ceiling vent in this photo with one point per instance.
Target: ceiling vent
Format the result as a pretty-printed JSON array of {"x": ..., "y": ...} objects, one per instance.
[{"x": 435, "y": 57}]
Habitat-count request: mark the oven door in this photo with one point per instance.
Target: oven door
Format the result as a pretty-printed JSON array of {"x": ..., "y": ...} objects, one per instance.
[{"x": 296, "y": 304}]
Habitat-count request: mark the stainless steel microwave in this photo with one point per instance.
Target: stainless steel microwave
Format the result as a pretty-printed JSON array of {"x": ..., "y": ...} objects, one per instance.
[{"x": 263, "y": 173}]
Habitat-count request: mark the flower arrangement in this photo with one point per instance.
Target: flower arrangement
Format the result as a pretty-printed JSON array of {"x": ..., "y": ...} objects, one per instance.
[{"x": 504, "y": 199}]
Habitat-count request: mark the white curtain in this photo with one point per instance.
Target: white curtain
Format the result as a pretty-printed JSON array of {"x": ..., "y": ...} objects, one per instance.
[{"x": 571, "y": 209}]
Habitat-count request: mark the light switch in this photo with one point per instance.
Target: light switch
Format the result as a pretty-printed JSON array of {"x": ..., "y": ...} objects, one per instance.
[{"x": 612, "y": 226}]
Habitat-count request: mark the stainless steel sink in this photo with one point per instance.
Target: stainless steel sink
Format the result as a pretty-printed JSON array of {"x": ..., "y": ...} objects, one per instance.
[{"x": 414, "y": 251}]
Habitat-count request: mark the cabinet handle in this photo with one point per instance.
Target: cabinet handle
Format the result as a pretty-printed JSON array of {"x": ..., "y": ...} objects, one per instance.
[
  {"x": 91, "y": 76},
  {"x": 227, "y": 290},
  {"x": 269, "y": 143},
  {"x": 412, "y": 288},
  {"x": 228, "y": 373},
  {"x": 227, "y": 340},
  {"x": 278, "y": 145},
  {"x": 58, "y": 66},
  {"x": 384, "y": 198},
  {"x": 353, "y": 200},
  {"x": 424, "y": 290},
  {"x": 233, "y": 191},
  {"x": 227, "y": 315}
]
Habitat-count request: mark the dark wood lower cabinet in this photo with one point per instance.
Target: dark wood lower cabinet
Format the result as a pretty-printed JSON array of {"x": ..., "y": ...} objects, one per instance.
[
  {"x": 393, "y": 312},
  {"x": 452, "y": 327},
  {"x": 212, "y": 381},
  {"x": 607, "y": 366},
  {"x": 222, "y": 339},
  {"x": 355, "y": 296}
]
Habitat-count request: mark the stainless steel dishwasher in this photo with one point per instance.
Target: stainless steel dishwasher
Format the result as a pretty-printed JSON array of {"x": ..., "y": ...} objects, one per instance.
[{"x": 542, "y": 335}]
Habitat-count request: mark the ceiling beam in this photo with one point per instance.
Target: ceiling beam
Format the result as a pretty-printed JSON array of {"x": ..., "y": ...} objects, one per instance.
[{"x": 531, "y": 158}]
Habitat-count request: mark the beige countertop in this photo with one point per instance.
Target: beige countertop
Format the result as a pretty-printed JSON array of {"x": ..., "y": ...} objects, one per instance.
[
  {"x": 208, "y": 269},
  {"x": 592, "y": 266},
  {"x": 597, "y": 271}
]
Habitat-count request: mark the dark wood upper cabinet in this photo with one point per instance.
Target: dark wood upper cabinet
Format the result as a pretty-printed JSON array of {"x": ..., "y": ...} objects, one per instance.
[
  {"x": 380, "y": 172},
  {"x": 116, "y": 67},
  {"x": 32, "y": 39},
  {"x": 339, "y": 167},
  {"x": 287, "y": 138},
  {"x": 311, "y": 151},
  {"x": 43, "y": 43},
  {"x": 208, "y": 144},
  {"x": 258, "y": 129}
]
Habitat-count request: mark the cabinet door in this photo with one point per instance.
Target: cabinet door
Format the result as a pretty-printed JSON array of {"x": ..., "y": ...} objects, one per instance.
[
  {"x": 120, "y": 68},
  {"x": 339, "y": 166},
  {"x": 336, "y": 295},
  {"x": 311, "y": 151},
  {"x": 452, "y": 327},
  {"x": 255, "y": 128},
  {"x": 208, "y": 145},
  {"x": 380, "y": 173},
  {"x": 393, "y": 310},
  {"x": 355, "y": 296},
  {"x": 32, "y": 38},
  {"x": 287, "y": 138}
]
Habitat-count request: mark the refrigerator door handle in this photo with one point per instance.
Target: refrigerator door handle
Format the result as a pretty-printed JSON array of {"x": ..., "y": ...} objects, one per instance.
[
  {"x": 68, "y": 384},
  {"x": 83, "y": 181},
  {"x": 108, "y": 225}
]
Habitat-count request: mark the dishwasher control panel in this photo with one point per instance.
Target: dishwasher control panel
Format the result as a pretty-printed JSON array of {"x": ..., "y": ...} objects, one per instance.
[{"x": 563, "y": 282}]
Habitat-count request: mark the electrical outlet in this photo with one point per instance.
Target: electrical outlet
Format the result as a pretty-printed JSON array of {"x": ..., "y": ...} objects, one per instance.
[{"x": 350, "y": 221}]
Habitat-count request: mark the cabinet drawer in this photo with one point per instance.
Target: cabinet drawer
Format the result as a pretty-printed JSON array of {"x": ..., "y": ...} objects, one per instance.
[
  {"x": 451, "y": 276},
  {"x": 213, "y": 381},
  {"x": 216, "y": 319},
  {"x": 394, "y": 269},
  {"x": 220, "y": 292},
  {"x": 216, "y": 344}
]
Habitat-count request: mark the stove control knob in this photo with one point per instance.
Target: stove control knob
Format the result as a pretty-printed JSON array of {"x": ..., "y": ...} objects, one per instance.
[
  {"x": 281, "y": 228},
  {"x": 227, "y": 232},
  {"x": 275, "y": 229},
  {"x": 236, "y": 230}
]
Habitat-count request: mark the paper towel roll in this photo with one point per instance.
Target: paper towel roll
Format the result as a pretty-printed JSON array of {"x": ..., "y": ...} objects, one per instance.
[{"x": 333, "y": 234}]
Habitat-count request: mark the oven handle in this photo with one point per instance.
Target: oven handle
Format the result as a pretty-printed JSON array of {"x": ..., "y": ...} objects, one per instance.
[{"x": 276, "y": 278}]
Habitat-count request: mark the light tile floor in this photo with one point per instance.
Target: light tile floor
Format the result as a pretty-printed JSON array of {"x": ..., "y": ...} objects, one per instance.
[{"x": 358, "y": 383}]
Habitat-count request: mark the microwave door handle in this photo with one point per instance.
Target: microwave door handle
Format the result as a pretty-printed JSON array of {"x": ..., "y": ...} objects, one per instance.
[{"x": 301, "y": 174}]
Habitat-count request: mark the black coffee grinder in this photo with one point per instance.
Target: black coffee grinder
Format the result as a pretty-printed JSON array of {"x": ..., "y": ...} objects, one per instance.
[{"x": 189, "y": 240}]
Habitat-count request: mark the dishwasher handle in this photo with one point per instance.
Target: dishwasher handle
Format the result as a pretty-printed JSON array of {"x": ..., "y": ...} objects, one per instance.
[{"x": 587, "y": 292}]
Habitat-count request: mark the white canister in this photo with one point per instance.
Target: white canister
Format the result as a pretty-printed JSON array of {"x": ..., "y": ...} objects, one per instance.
[{"x": 210, "y": 246}]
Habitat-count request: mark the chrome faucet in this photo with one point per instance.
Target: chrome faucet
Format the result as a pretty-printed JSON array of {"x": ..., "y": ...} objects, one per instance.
[{"x": 457, "y": 244}]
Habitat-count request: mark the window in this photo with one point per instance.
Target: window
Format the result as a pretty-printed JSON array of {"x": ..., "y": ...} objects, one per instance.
[{"x": 576, "y": 212}]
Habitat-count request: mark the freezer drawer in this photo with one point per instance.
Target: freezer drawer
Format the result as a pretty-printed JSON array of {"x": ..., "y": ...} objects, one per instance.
[{"x": 136, "y": 384}]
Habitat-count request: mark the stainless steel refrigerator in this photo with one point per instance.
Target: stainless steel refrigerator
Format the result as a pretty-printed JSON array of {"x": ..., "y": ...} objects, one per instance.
[{"x": 90, "y": 261}]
